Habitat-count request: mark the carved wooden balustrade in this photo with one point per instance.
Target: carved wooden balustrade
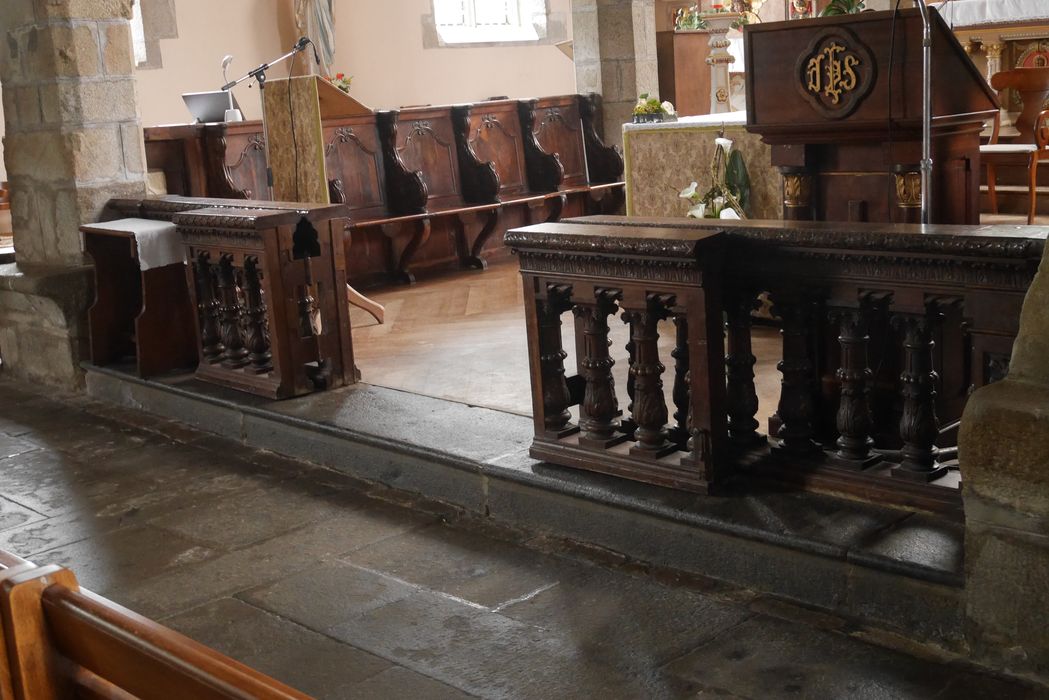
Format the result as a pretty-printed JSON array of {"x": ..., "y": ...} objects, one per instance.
[
  {"x": 597, "y": 274},
  {"x": 885, "y": 332},
  {"x": 267, "y": 280}
]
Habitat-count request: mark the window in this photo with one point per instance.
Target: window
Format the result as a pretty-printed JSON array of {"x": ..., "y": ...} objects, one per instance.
[
  {"x": 138, "y": 34},
  {"x": 489, "y": 21}
]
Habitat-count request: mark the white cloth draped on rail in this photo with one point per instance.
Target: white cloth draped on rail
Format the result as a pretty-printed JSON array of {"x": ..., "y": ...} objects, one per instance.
[
  {"x": 316, "y": 19},
  {"x": 970, "y": 13}
]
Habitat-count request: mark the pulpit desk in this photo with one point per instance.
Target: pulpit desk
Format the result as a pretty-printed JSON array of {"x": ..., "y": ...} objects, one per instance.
[{"x": 142, "y": 305}]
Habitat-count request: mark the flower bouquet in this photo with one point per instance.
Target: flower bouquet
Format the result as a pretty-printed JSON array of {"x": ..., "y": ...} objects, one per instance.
[
  {"x": 729, "y": 192},
  {"x": 341, "y": 81},
  {"x": 650, "y": 109}
]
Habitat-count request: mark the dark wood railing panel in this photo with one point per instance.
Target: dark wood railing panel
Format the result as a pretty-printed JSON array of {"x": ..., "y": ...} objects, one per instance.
[
  {"x": 642, "y": 281},
  {"x": 885, "y": 332}
]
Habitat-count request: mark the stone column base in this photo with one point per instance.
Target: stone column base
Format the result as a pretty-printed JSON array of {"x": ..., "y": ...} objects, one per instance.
[
  {"x": 43, "y": 322},
  {"x": 1005, "y": 469}
]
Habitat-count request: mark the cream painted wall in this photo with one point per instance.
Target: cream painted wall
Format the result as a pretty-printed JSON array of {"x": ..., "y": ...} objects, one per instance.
[
  {"x": 379, "y": 42},
  {"x": 207, "y": 31},
  {"x": 381, "y": 45}
]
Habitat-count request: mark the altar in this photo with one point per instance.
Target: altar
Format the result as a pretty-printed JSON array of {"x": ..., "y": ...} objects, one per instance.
[{"x": 664, "y": 158}]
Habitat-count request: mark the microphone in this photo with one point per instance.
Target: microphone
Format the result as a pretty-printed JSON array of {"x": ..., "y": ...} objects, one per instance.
[{"x": 301, "y": 46}]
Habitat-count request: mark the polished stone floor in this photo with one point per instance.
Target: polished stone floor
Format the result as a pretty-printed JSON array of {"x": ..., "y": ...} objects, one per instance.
[{"x": 346, "y": 590}]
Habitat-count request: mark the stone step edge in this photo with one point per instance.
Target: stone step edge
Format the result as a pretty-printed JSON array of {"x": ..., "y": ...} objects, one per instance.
[{"x": 812, "y": 573}]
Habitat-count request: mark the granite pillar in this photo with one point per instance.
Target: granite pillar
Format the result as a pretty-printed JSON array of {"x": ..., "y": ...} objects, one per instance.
[
  {"x": 614, "y": 44},
  {"x": 73, "y": 140},
  {"x": 1004, "y": 452}
]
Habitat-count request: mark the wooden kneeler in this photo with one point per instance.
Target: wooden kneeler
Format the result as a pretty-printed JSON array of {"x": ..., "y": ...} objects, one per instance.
[{"x": 59, "y": 641}]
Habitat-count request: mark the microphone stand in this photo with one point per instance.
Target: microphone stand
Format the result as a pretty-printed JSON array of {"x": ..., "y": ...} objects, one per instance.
[
  {"x": 259, "y": 75},
  {"x": 926, "y": 164}
]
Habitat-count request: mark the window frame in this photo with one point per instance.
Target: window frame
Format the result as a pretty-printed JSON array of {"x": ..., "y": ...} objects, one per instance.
[{"x": 530, "y": 28}]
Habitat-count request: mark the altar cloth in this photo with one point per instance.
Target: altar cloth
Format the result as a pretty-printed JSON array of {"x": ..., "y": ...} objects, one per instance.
[
  {"x": 975, "y": 13},
  {"x": 158, "y": 242}
]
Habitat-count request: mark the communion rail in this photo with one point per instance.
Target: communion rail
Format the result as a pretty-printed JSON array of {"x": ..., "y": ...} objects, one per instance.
[{"x": 885, "y": 330}]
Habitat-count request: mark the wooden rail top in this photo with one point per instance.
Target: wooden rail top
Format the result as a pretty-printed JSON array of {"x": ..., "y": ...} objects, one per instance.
[{"x": 994, "y": 240}]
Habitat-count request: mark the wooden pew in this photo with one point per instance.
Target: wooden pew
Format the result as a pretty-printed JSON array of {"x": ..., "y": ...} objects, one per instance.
[
  {"x": 58, "y": 640},
  {"x": 422, "y": 140},
  {"x": 567, "y": 126},
  {"x": 490, "y": 132}
]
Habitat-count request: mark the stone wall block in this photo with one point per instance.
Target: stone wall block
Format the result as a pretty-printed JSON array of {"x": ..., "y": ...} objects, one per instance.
[
  {"x": 63, "y": 50},
  {"x": 83, "y": 9},
  {"x": 117, "y": 51},
  {"x": 25, "y": 105},
  {"x": 41, "y": 155},
  {"x": 1006, "y": 584},
  {"x": 97, "y": 153},
  {"x": 615, "y": 25},
  {"x": 110, "y": 100},
  {"x": 134, "y": 148}
]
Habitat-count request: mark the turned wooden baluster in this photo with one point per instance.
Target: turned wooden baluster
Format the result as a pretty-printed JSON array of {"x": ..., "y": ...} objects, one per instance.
[
  {"x": 796, "y": 408},
  {"x": 236, "y": 355},
  {"x": 650, "y": 406},
  {"x": 208, "y": 310},
  {"x": 258, "y": 330},
  {"x": 600, "y": 408},
  {"x": 854, "y": 421},
  {"x": 919, "y": 426},
  {"x": 556, "y": 396},
  {"x": 682, "y": 398},
  {"x": 627, "y": 424},
  {"x": 739, "y": 367}
]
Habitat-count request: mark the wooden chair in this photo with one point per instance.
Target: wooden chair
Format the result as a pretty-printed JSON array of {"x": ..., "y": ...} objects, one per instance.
[
  {"x": 58, "y": 640},
  {"x": 1030, "y": 146}
]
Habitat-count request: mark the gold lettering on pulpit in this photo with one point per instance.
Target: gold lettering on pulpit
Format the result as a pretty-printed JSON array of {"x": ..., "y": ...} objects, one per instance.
[
  {"x": 831, "y": 74},
  {"x": 836, "y": 72}
]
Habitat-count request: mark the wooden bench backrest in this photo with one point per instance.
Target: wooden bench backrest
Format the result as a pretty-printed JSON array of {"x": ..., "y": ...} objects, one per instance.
[
  {"x": 60, "y": 641},
  {"x": 425, "y": 142},
  {"x": 493, "y": 132},
  {"x": 353, "y": 155},
  {"x": 236, "y": 157},
  {"x": 558, "y": 129}
]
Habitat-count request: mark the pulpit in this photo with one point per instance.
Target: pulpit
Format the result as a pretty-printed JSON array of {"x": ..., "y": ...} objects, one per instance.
[{"x": 839, "y": 100}]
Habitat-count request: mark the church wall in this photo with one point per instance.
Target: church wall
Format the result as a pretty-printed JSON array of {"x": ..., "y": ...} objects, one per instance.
[
  {"x": 381, "y": 44},
  {"x": 207, "y": 31}
]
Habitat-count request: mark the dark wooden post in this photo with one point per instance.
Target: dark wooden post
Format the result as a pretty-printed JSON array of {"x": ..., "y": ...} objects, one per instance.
[
  {"x": 556, "y": 396},
  {"x": 919, "y": 426},
  {"x": 650, "y": 406},
  {"x": 209, "y": 310},
  {"x": 854, "y": 414},
  {"x": 600, "y": 407},
  {"x": 236, "y": 355},
  {"x": 796, "y": 408},
  {"x": 258, "y": 331},
  {"x": 739, "y": 362}
]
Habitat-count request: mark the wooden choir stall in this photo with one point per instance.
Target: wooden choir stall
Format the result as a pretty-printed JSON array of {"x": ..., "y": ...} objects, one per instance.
[{"x": 844, "y": 118}]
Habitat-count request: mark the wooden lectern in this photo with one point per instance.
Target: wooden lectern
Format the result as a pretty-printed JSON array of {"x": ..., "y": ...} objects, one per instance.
[
  {"x": 294, "y": 109},
  {"x": 845, "y": 120}
]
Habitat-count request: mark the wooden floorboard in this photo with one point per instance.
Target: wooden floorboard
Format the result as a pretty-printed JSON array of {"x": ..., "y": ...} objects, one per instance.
[{"x": 462, "y": 337}]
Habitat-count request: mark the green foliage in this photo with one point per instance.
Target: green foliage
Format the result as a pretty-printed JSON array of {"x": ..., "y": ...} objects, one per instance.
[
  {"x": 647, "y": 104},
  {"x": 843, "y": 7},
  {"x": 737, "y": 179}
]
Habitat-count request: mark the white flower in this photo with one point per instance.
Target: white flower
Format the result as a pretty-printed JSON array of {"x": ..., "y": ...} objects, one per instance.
[
  {"x": 724, "y": 143},
  {"x": 719, "y": 203},
  {"x": 698, "y": 211},
  {"x": 729, "y": 213},
  {"x": 689, "y": 192},
  {"x": 668, "y": 107}
]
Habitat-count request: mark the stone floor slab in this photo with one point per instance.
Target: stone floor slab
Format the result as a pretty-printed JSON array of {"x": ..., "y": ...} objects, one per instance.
[
  {"x": 310, "y": 662},
  {"x": 769, "y": 658},
  {"x": 478, "y": 569},
  {"x": 399, "y": 682},
  {"x": 327, "y": 595}
]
